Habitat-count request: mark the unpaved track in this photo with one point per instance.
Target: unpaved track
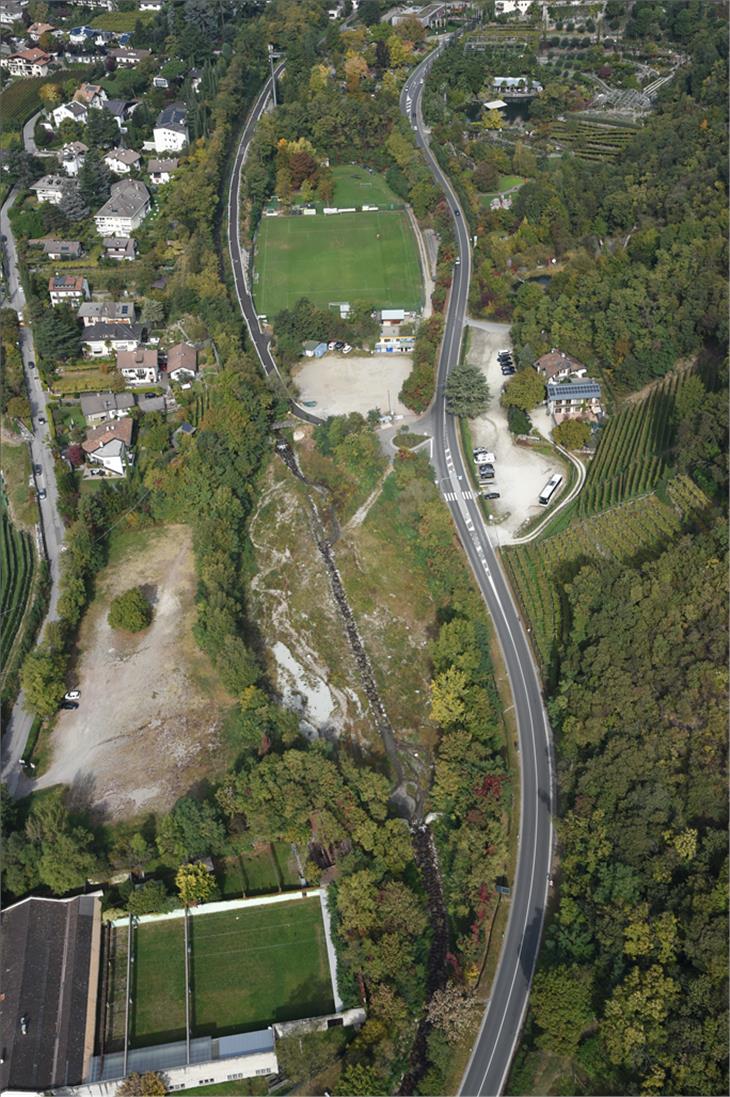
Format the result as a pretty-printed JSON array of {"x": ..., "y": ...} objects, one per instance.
[{"x": 148, "y": 723}]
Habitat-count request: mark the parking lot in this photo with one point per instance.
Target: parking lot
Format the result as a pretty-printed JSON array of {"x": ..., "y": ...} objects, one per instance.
[
  {"x": 340, "y": 384},
  {"x": 521, "y": 470}
]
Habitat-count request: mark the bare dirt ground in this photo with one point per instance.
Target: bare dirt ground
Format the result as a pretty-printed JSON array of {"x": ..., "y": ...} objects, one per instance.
[
  {"x": 521, "y": 470},
  {"x": 344, "y": 384},
  {"x": 148, "y": 723},
  {"x": 308, "y": 654}
]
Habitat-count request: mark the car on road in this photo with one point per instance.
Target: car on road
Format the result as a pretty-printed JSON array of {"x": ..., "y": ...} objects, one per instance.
[
  {"x": 457, "y": 261},
  {"x": 37, "y": 469},
  {"x": 31, "y": 364},
  {"x": 69, "y": 705},
  {"x": 41, "y": 419},
  {"x": 72, "y": 695},
  {"x": 42, "y": 493},
  {"x": 457, "y": 212}
]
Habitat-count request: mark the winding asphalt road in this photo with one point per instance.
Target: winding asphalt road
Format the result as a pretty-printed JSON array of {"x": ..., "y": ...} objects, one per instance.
[{"x": 504, "y": 1015}]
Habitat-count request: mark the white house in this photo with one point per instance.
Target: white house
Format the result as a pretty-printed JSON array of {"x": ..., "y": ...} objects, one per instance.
[
  {"x": 100, "y": 340},
  {"x": 122, "y": 161},
  {"x": 107, "y": 312},
  {"x": 182, "y": 362},
  {"x": 98, "y": 407},
  {"x": 150, "y": 5},
  {"x": 77, "y": 36},
  {"x": 67, "y": 289},
  {"x": 91, "y": 95},
  {"x": 108, "y": 445},
  {"x": 161, "y": 171},
  {"x": 170, "y": 131},
  {"x": 11, "y": 11},
  {"x": 128, "y": 58},
  {"x": 509, "y": 7},
  {"x": 50, "y": 189},
  {"x": 120, "y": 248},
  {"x": 32, "y": 62},
  {"x": 125, "y": 210},
  {"x": 580, "y": 399},
  {"x": 557, "y": 365},
  {"x": 71, "y": 157},
  {"x": 139, "y": 366},
  {"x": 76, "y": 112}
]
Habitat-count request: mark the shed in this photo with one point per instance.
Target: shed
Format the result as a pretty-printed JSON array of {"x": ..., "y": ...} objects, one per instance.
[{"x": 313, "y": 349}]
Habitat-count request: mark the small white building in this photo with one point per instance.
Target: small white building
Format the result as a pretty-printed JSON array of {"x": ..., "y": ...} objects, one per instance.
[
  {"x": 108, "y": 445},
  {"x": 103, "y": 340},
  {"x": 31, "y": 62},
  {"x": 75, "y": 112},
  {"x": 170, "y": 131},
  {"x": 161, "y": 171},
  {"x": 67, "y": 289},
  {"x": 72, "y": 156},
  {"x": 50, "y": 188},
  {"x": 139, "y": 366},
  {"x": 125, "y": 210},
  {"x": 122, "y": 161},
  {"x": 150, "y": 5}
]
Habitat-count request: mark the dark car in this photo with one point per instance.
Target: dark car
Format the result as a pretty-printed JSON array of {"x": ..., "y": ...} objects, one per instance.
[
  {"x": 31, "y": 365},
  {"x": 491, "y": 495},
  {"x": 37, "y": 469},
  {"x": 457, "y": 213},
  {"x": 69, "y": 704},
  {"x": 41, "y": 418},
  {"x": 339, "y": 345}
]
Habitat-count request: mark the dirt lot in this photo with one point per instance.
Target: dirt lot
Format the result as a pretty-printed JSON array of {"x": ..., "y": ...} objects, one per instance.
[
  {"x": 343, "y": 384},
  {"x": 521, "y": 470},
  {"x": 151, "y": 708}
]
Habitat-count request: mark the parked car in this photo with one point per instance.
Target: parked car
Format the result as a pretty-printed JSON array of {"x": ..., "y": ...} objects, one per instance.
[
  {"x": 346, "y": 349},
  {"x": 484, "y": 457},
  {"x": 41, "y": 419},
  {"x": 31, "y": 364},
  {"x": 491, "y": 494},
  {"x": 37, "y": 469},
  {"x": 72, "y": 695},
  {"x": 42, "y": 493},
  {"x": 339, "y": 345},
  {"x": 69, "y": 704},
  {"x": 332, "y": 345}
]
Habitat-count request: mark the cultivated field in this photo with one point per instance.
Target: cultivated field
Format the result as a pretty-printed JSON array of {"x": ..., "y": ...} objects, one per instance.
[
  {"x": 248, "y": 968},
  {"x": 363, "y": 258},
  {"x": 151, "y": 712},
  {"x": 17, "y": 565}
]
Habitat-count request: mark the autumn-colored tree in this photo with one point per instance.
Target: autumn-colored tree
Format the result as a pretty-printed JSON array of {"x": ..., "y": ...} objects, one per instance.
[
  {"x": 356, "y": 70},
  {"x": 572, "y": 433},
  {"x": 453, "y": 1010},
  {"x": 447, "y": 697},
  {"x": 150, "y": 1084},
  {"x": 194, "y": 883}
]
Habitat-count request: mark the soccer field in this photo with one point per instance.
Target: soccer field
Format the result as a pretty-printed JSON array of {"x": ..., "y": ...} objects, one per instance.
[
  {"x": 248, "y": 968},
  {"x": 363, "y": 258}
]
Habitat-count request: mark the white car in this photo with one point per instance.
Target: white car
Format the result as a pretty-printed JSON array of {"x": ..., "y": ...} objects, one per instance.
[
  {"x": 346, "y": 349},
  {"x": 332, "y": 345},
  {"x": 72, "y": 695}
]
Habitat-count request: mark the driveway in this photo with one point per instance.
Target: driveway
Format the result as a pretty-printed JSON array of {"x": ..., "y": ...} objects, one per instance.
[{"x": 521, "y": 469}]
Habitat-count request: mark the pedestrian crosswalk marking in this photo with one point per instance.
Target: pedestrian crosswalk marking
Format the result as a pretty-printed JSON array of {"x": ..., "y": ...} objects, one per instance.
[{"x": 453, "y": 496}]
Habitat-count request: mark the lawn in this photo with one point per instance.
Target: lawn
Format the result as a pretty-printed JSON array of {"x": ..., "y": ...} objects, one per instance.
[
  {"x": 354, "y": 186},
  {"x": 158, "y": 983},
  {"x": 254, "y": 966},
  {"x": 248, "y": 968},
  {"x": 363, "y": 258},
  {"x": 258, "y": 873},
  {"x": 15, "y": 465}
]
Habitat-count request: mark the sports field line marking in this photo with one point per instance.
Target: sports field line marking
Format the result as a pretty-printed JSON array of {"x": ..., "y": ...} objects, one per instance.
[
  {"x": 203, "y": 959},
  {"x": 243, "y": 929}
]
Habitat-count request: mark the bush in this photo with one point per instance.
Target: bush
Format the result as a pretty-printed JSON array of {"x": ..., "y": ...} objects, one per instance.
[
  {"x": 518, "y": 421},
  {"x": 572, "y": 433},
  {"x": 130, "y": 611}
]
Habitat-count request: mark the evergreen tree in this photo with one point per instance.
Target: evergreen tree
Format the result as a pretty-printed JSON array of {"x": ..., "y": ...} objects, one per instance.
[{"x": 94, "y": 180}]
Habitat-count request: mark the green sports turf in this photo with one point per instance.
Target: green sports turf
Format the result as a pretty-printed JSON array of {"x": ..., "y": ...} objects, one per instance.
[
  {"x": 363, "y": 258},
  {"x": 158, "y": 983},
  {"x": 254, "y": 966},
  {"x": 354, "y": 186}
]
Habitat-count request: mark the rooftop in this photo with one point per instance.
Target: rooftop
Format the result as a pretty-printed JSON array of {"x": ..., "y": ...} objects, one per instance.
[
  {"x": 128, "y": 197},
  {"x": 97, "y": 402},
  {"x": 95, "y": 333},
  {"x": 107, "y": 310},
  {"x": 573, "y": 390},
  {"x": 174, "y": 115}
]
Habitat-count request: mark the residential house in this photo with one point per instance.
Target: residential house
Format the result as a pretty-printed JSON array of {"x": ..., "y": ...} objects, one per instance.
[
  {"x": 72, "y": 156},
  {"x": 11, "y": 11},
  {"x": 139, "y": 366},
  {"x": 50, "y": 188},
  {"x": 161, "y": 171},
  {"x": 98, "y": 407},
  {"x": 76, "y": 112},
  {"x": 107, "y": 312},
  {"x": 125, "y": 210},
  {"x": 31, "y": 62},
  {"x": 68, "y": 289},
  {"x": 58, "y": 249},
  {"x": 557, "y": 365},
  {"x": 37, "y": 30},
  {"x": 120, "y": 110},
  {"x": 119, "y": 248},
  {"x": 150, "y": 5},
  {"x": 579, "y": 399},
  {"x": 128, "y": 58},
  {"x": 78, "y": 36},
  {"x": 511, "y": 7},
  {"x": 313, "y": 349},
  {"x": 101, "y": 340},
  {"x": 430, "y": 15},
  {"x": 170, "y": 131},
  {"x": 122, "y": 161},
  {"x": 160, "y": 82},
  {"x": 108, "y": 445},
  {"x": 182, "y": 362},
  {"x": 185, "y": 430},
  {"x": 92, "y": 96}
]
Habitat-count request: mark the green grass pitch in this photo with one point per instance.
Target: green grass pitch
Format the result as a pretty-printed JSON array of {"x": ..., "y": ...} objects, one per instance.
[
  {"x": 363, "y": 258},
  {"x": 248, "y": 969}
]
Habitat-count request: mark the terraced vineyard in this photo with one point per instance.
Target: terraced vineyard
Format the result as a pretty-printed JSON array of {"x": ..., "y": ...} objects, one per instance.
[
  {"x": 17, "y": 565},
  {"x": 595, "y": 141},
  {"x": 634, "y": 450},
  {"x": 540, "y": 570}
]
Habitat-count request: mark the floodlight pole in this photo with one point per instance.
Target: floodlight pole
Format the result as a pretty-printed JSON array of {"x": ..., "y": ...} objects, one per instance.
[{"x": 187, "y": 989}]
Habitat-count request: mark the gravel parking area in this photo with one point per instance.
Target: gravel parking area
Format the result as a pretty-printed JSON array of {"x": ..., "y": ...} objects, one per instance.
[
  {"x": 148, "y": 723},
  {"x": 521, "y": 469},
  {"x": 340, "y": 384}
]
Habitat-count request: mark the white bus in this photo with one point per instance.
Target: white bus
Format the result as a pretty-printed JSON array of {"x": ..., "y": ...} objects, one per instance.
[{"x": 550, "y": 488}]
